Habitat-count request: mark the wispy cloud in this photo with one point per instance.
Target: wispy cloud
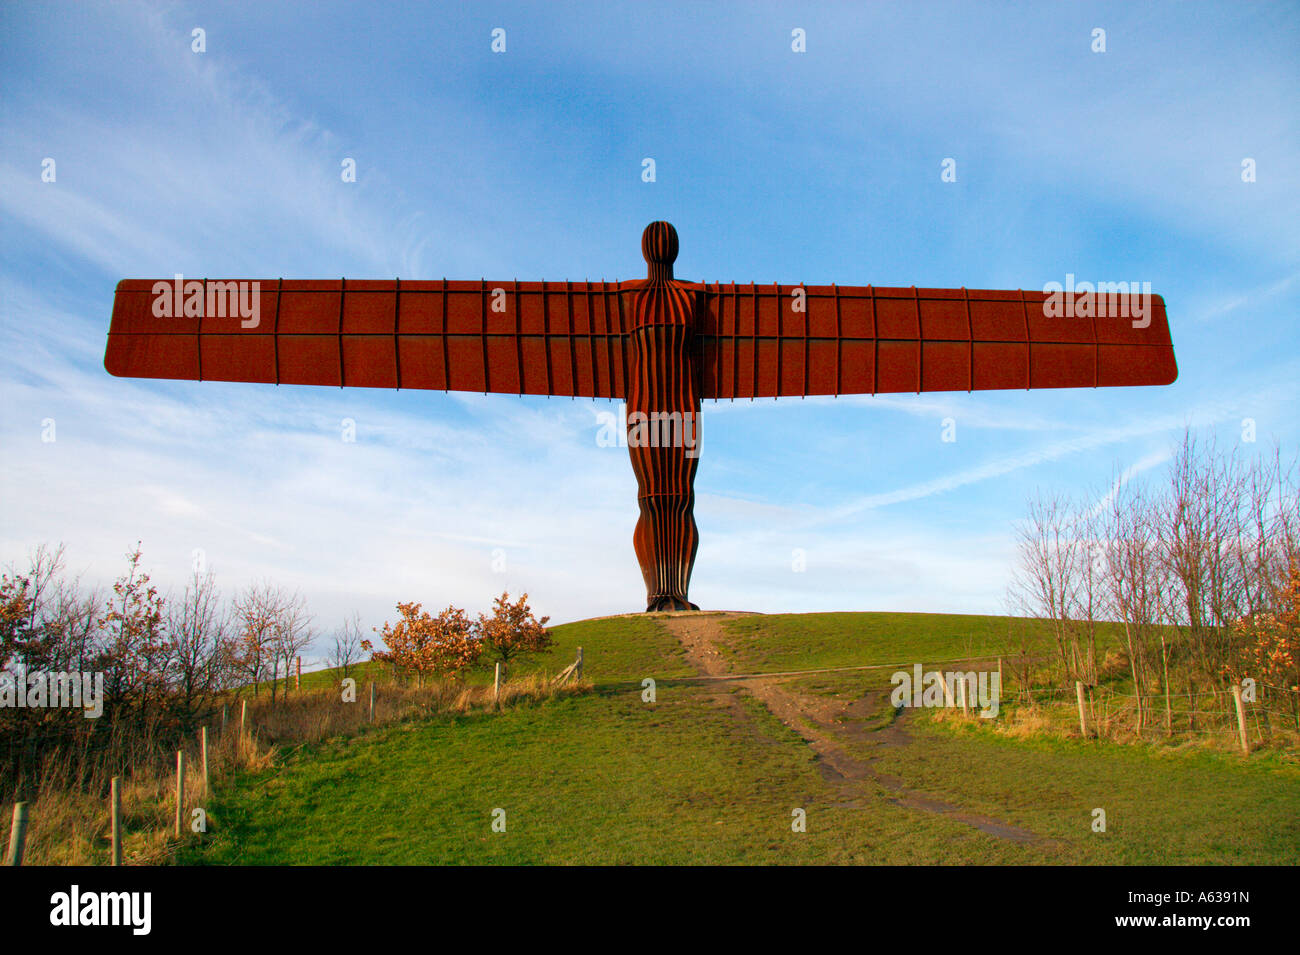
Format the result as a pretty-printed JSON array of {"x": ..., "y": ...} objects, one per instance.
[
  {"x": 1141, "y": 466},
  {"x": 1201, "y": 416},
  {"x": 1259, "y": 296}
]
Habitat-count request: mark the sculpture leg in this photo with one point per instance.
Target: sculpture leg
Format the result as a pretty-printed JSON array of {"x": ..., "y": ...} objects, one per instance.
[{"x": 666, "y": 538}]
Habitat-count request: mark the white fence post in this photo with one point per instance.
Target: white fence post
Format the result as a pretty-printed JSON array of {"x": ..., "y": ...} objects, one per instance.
[
  {"x": 180, "y": 790},
  {"x": 1241, "y": 718},
  {"x": 203, "y": 752},
  {"x": 115, "y": 810},
  {"x": 17, "y": 835}
]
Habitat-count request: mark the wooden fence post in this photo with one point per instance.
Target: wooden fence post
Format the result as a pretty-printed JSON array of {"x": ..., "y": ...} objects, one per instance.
[
  {"x": 115, "y": 810},
  {"x": 203, "y": 750},
  {"x": 180, "y": 790},
  {"x": 1241, "y": 718},
  {"x": 496, "y": 684},
  {"x": 578, "y": 672},
  {"x": 1000, "y": 675},
  {"x": 224, "y": 713},
  {"x": 372, "y": 701},
  {"x": 1083, "y": 720},
  {"x": 243, "y": 720},
  {"x": 961, "y": 684},
  {"x": 297, "y": 683},
  {"x": 17, "y": 835}
]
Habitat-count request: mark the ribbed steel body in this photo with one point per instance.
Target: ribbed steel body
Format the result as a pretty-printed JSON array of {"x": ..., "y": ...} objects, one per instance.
[{"x": 663, "y": 410}]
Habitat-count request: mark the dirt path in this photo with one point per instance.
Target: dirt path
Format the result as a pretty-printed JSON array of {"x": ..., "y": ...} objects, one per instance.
[{"x": 825, "y": 725}]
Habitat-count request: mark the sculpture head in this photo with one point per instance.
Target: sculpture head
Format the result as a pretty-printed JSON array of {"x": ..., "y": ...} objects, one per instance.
[{"x": 659, "y": 247}]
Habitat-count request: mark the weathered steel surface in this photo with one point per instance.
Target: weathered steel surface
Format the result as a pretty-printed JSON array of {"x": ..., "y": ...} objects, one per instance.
[
  {"x": 659, "y": 343},
  {"x": 663, "y": 411}
]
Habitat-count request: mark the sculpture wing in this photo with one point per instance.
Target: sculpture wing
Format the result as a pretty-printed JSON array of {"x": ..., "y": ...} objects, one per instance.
[
  {"x": 534, "y": 338},
  {"x": 755, "y": 343}
]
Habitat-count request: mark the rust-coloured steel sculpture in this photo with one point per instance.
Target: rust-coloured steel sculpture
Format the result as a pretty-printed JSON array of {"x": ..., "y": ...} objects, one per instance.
[
  {"x": 664, "y": 379},
  {"x": 660, "y": 344}
]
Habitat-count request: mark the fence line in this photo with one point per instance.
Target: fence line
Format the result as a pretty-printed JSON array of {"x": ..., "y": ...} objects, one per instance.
[
  {"x": 844, "y": 669},
  {"x": 1225, "y": 715}
]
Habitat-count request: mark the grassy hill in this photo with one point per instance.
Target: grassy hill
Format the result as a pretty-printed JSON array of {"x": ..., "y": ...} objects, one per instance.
[{"x": 712, "y": 771}]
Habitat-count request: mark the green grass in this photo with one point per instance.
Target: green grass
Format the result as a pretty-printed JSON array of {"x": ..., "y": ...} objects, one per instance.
[
  {"x": 1163, "y": 807},
  {"x": 776, "y": 642},
  {"x": 595, "y": 779},
  {"x": 708, "y": 775},
  {"x": 618, "y": 650}
]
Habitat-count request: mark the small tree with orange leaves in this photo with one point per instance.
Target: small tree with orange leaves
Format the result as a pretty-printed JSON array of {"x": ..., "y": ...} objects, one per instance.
[
  {"x": 423, "y": 644},
  {"x": 1271, "y": 645},
  {"x": 136, "y": 649},
  {"x": 512, "y": 631},
  {"x": 15, "y": 616}
]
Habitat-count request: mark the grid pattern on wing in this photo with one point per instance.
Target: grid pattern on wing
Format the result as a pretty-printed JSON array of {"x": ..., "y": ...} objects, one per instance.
[
  {"x": 536, "y": 338},
  {"x": 767, "y": 341}
]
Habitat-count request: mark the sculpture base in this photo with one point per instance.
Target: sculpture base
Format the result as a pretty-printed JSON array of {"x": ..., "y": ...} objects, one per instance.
[{"x": 669, "y": 604}]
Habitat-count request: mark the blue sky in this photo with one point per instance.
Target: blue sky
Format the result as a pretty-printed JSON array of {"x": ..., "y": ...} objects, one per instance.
[{"x": 775, "y": 166}]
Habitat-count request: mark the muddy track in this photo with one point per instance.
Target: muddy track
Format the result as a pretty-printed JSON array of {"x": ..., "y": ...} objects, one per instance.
[{"x": 826, "y": 725}]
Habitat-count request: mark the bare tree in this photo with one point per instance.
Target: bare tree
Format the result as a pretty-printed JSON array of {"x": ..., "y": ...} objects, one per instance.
[
  {"x": 255, "y": 611},
  {"x": 72, "y": 621},
  {"x": 1264, "y": 532},
  {"x": 1195, "y": 526},
  {"x": 197, "y": 624},
  {"x": 1285, "y": 521},
  {"x": 291, "y": 634},
  {"x": 347, "y": 645},
  {"x": 1133, "y": 578},
  {"x": 1047, "y": 579},
  {"x": 1182, "y": 566},
  {"x": 1086, "y": 597}
]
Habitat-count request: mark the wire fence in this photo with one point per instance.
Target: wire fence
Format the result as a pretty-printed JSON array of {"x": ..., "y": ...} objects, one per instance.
[{"x": 1108, "y": 712}]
